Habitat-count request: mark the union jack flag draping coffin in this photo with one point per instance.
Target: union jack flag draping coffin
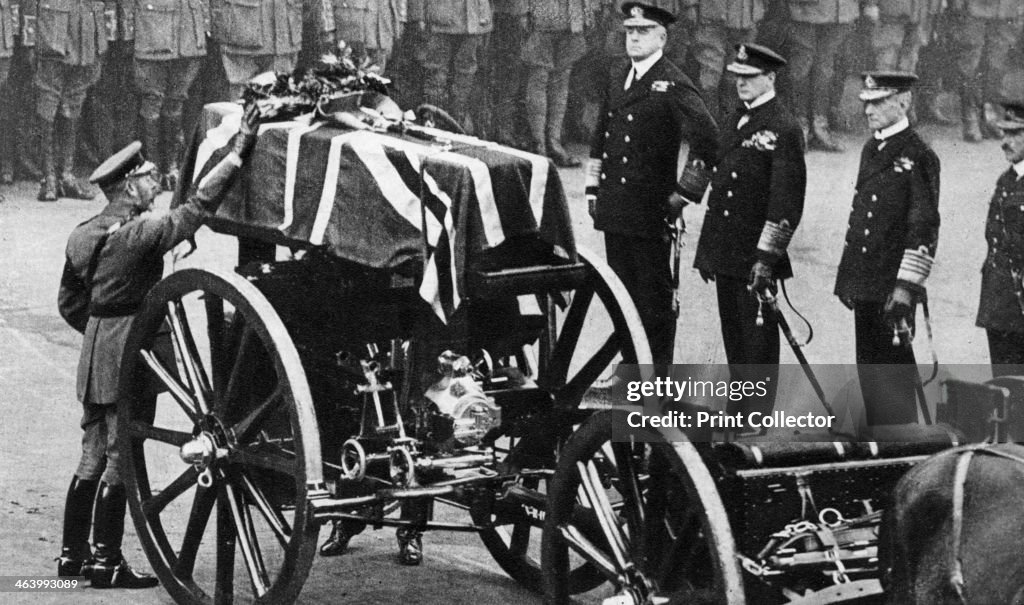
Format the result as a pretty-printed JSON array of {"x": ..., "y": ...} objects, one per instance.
[{"x": 366, "y": 195}]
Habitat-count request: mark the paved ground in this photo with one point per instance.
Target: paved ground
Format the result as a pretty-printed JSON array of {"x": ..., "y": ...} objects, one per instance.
[{"x": 39, "y": 434}]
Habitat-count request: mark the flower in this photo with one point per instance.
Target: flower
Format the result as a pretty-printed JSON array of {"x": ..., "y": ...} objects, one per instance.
[{"x": 762, "y": 140}]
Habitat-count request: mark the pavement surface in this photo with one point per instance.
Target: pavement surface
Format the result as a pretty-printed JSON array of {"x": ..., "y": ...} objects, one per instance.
[{"x": 39, "y": 434}]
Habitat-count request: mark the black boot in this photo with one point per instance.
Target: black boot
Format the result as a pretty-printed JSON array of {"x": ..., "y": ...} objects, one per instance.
[
  {"x": 48, "y": 186},
  {"x": 69, "y": 185},
  {"x": 75, "y": 551},
  {"x": 109, "y": 569},
  {"x": 410, "y": 546},
  {"x": 341, "y": 534}
]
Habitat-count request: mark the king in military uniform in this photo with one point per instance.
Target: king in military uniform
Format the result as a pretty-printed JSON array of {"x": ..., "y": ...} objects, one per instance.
[
  {"x": 1001, "y": 309},
  {"x": 649, "y": 109},
  {"x": 113, "y": 260},
  {"x": 755, "y": 204},
  {"x": 890, "y": 244}
]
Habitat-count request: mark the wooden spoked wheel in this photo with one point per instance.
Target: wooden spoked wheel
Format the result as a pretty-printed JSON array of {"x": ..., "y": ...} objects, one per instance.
[
  {"x": 220, "y": 465},
  {"x": 594, "y": 328},
  {"x": 655, "y": 525}
]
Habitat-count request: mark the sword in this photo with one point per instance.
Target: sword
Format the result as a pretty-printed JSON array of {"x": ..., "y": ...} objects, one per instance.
[{"x": 675, "y": 234}]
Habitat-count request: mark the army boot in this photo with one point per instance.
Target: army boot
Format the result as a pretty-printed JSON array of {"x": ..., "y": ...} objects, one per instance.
[
  {"x": 821, "y": 137},
  {"x": 410, "y": 546},
  {"x": 558, "y": 95},
  {"x": 48, "y": 184},
  {"x": 341, "y": 534},
  {"x": 108, "y": 568},
  {"x": 537, "y": 110},
  {"x": 68, "y": 185},
  {"x": 75, "y": 551}
]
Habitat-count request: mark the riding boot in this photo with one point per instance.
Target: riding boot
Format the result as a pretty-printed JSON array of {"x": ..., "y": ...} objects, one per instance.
[
  {"x": 342, "y": 532},
  {"x": 410, "y": 546},
  {"x": 68, "y": 184},
  {"x": 109, "y": 569},
  {"x": 537, "y": 109},
  {"x": 558, "y": 96},
  {"x": 821, "y": 138},
  {"x": 48, "y": 185},
  {"x": 969, "y": 114},
  {"x": 75, "y": 551}
]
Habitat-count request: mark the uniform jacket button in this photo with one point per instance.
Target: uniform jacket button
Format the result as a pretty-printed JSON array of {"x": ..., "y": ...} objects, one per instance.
[
  {"x": 734, "y": 175},
  {"x": 728, "y": 194},
  {"x": 867, "y": 232},
  {"x": 874, "y": 198},
  {"x": 715, "y": 169},
  {"x": 604, "y": 156},
  {"x": 603, "y": 176},
  {"x": 864, "y": 250},
  {"x": 625, "y": 159},
  {"x": 629, "y": 117},
  {"x": 610, "y": 114},
  {"x": 870, "y": 215},
  {"x": 626, "y": 138},
  {"x": 623, "y": 180},
  {"x": 606, "y": 135},
  {"x": 725, "y": 213}
]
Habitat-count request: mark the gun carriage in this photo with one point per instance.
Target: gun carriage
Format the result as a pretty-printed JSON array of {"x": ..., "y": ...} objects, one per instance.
[{"x": 405, "y": 353}]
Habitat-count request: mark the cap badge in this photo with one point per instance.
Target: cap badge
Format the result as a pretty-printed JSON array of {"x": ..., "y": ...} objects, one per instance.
[
  {"x": 741, "y": 53},
  {"x": 637, "y": 12},
  {"x": 869, "y": 82}
]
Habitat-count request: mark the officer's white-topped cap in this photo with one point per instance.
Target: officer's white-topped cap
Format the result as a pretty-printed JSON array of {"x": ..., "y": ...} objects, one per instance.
[
  {"x": 881, "y": 84},
  {"x": 125, "y": 163},
  {"x": 1013, "y": 118},
  {"x": 641, "y": 15}
]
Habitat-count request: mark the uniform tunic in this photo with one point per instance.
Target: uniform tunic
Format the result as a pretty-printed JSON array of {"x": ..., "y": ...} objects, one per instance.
[
  {"x": 998, "y": 308},
  {"x": 170, "y": 29}
]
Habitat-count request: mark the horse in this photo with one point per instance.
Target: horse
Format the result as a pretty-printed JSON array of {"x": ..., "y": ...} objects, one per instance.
[{"x": 954, "y": 531}]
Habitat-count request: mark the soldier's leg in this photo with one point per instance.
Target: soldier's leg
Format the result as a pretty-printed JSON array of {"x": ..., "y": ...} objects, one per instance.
[
  {"x": 109, "y": 568},
  {"x": 437, "y": 60},
  {"x": 76, "y": 87},
  {"x": 886, "y": 41},
  {"x": 910, "y": 49},
  {"x": 710, "y": 52},
  {"x": 507, "y": 71},
  {"x": 538, "y": 56},
  {"x": 1000, "y": 38},
  {"x": 885, "y": 371},
  {"x": 570, "y": 48},
  {"x": 463, "y": 86},
  {"x": 48, "y": 81},
  {"x": 1006, "y": 351},
  {"x": 182, "y": 73},
  {"x": 78, "y": 503},
  {"x": 150, "y": 82},
  {"x": 238, "y": 68},
  {"x": 830, "y": 39},
  {"x": 801, "y": 43},
  {"x": 969, "y": 36}
]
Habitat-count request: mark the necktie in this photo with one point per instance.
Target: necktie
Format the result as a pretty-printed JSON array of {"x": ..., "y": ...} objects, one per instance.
[
  {"x": 743, "y": 120},
  {"x": 629, "y": 78}
]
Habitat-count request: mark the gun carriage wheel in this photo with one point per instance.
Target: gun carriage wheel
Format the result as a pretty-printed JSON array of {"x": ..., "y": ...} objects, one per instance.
[
  {"x": 648, "y": 515},
  {"x": 219, "y": 469},
  {"x": 580, "y": 343}
]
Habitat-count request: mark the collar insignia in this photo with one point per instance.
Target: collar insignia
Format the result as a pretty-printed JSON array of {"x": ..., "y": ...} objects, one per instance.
[{"x": 741, "y": 53}]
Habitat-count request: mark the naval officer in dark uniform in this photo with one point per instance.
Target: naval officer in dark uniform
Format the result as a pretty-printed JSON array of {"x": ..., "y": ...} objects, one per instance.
[
  {"x": 113, "y": 260},
  {"x": 632, "y": 188},
  {"x": 1001, "y": 309},
  {"x": 889, "y": 249},
  {"x": 755, "y": 204}
]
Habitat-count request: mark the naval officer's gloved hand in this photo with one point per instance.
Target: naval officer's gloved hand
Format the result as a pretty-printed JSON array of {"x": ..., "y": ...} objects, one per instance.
[
  {"x": 899, "y": 308},
  {"x": 762, "y": 279}
]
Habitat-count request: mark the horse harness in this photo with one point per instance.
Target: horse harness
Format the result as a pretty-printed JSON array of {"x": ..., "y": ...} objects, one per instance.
[{"x": 963, "y": 463}]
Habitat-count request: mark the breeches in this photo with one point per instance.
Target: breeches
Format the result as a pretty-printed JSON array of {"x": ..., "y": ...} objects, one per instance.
[
  {"x": 63, "y": 86},
  {"x": 99, "y": 444}
]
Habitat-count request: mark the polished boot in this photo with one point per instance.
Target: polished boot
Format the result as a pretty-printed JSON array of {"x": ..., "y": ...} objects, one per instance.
[
  {"x": 74, "y": 550},
  {"x": 536, "y": 105},
  {"x": 48, "y": 185},
  {"x": 69, "y": 186},
  {"x": 558, "y": 96},
  {"x": 410, "y": 546},
  {"x": 108, "y": 568},
  {"x": 821, "y": 138}
]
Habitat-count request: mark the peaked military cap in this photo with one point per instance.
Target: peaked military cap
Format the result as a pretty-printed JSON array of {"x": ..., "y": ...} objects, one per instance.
[
  {"x": 881, "y": 84},
  {"x": 639, "y": 15},
  {"x": 755, "y": 59},
  {"x": 127, "y": 162},
  {"x": 1013, "y": 119}
]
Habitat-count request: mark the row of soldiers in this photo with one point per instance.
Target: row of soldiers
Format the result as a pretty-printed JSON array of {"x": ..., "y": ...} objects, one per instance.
[{"x": 503, "y": 67}]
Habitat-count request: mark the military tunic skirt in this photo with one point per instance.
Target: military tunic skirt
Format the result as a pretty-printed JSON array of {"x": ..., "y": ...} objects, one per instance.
[{"x": 999, "y": 308}]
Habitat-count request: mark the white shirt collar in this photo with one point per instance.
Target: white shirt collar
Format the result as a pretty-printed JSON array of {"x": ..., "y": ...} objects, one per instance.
[
  {"x": 894, "y": 129},
  {"x": 1019, "y": 168},
  {"x": 642, "y": 67},
  {"x": 768, "y": 96}
]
